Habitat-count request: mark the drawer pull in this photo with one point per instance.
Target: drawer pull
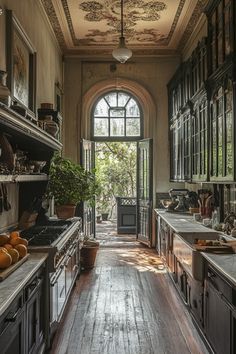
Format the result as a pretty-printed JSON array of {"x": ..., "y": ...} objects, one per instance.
[{"x": 13, "y": 317}]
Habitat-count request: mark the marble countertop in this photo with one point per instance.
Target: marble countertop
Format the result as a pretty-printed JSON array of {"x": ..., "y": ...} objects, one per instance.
[
  {"x": 15, "y": 282},
  {"x": 224, "y": 263},
  {"x": 183, "y": 223}
]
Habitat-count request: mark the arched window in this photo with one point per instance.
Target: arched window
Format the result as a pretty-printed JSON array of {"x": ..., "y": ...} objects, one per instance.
[{"x": 117, "y": 116}]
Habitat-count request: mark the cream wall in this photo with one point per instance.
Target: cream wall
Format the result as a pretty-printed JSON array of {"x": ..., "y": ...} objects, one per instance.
[
  {"x": 49, "y": 59},
  {"x": 152, "y": 74},
  {"x": 49, "y": 70}
]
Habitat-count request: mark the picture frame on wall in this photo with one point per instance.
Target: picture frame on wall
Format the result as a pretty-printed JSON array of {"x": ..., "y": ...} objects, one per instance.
[{"x": 21, "y": 65}]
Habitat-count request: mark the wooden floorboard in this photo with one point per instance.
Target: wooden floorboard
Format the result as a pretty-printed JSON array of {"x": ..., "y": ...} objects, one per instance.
[{"x": 126, "y": 305}]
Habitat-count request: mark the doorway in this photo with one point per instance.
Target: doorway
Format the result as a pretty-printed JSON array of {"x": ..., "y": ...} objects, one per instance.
[
  {"x": 116, "y": 172},
  {"x": 117, "y": 117}
]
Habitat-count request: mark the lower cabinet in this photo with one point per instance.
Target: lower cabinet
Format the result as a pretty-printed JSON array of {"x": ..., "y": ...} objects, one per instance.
[
  {"x": 218, "y": 315},
  {"x": 35, "y": 328},
  {"x": 217, "y": 321},
  {"x": 12, "y": 329},
  {"x": 23, "y": 325},
  {"x": 196, "y": 292}
]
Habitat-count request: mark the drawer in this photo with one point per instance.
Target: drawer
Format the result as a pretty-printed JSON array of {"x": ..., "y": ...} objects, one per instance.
[
  {"x": 219, "y": 283},
  {"x": 12, "y": 313}
]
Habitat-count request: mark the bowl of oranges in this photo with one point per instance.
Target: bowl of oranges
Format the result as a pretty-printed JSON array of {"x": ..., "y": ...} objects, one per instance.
[{"x": 13, "y": 248}]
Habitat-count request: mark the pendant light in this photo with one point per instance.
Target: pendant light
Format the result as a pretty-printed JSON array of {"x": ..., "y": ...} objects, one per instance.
[{"x": 122, "y": 54}]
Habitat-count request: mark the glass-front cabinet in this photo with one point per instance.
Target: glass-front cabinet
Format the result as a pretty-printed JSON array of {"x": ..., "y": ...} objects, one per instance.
[
  {"x": 200, "y": 138},
  {"x": 221, "y": 130},
  {"x": 220, "y": 32}
]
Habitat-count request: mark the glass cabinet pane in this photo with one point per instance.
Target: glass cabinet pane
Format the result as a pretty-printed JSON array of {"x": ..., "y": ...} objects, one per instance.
[
  {"x": 220, "y": 52},
  {"x": 213, "y": 42}
]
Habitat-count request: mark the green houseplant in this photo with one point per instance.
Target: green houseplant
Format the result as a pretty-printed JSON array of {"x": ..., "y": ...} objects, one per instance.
[{"x": 69, "y": 184}]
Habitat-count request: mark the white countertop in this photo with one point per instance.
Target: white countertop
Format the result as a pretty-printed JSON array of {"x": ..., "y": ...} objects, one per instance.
[
  {"x": 224, "y": 263},
  {"x": 184, "y": 224},
  {"x": 15, "y": 282}
]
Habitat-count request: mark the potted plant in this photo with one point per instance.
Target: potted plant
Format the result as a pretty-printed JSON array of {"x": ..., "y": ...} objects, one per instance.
[
  {"x": 88, "y": 253},
  {"x": 69, "y": 184}
]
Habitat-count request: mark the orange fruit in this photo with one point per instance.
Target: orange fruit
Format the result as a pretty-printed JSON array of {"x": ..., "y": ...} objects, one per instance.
[
  {"x": 14, "y": 255},
  {"x": 22, "y": 241},
  {"x": 5, "y": 260},
  {"x": 14, "y": 234},
  {"x": 8, "y": 246},
  {"x": 22, "y": 249},
  {"x": 4, "y": 238},
  {"x": 15, "y": 241}
]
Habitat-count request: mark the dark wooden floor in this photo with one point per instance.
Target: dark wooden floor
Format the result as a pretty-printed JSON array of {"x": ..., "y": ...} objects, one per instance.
[{"x": 126, "y": 305}]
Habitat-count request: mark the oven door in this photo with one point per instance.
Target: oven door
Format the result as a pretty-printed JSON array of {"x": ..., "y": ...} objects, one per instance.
[
  {"x": 57, "y": 293},
  {"x": 72, "y": 267}
]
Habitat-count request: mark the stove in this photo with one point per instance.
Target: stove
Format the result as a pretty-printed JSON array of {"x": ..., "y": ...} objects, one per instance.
[
  {"x": 55, "y": 237},
  {"x": 62, "y": 240}
]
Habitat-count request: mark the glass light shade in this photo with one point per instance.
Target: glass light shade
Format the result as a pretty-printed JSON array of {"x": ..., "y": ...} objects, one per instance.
[{"x": 122, "y": 54}]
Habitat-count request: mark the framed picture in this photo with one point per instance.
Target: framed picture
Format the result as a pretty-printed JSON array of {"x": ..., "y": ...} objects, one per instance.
[{"x": 21, "y": 64}]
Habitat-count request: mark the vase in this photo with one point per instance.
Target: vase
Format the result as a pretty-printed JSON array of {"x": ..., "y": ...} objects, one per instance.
[{"x": 65, "y": 211}]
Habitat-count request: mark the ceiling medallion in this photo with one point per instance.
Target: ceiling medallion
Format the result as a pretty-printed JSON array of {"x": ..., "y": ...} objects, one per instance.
[{"x": 109, "y": 11}]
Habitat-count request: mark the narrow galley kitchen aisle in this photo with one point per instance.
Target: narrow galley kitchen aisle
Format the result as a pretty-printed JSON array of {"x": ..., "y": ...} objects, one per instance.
[{"x": 126, "y": 305}]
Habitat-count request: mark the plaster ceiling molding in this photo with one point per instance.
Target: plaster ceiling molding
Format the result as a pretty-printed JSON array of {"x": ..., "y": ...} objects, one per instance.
[
  {"x": 90, "y": 27},
  {"x": 196, "y": 15},
  {"x": 50, "y": 11}
]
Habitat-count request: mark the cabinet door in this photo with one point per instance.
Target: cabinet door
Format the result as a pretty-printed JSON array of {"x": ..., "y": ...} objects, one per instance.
[
  {"x": 32, "y": 320},
  {"x": 222, "y": 137},
  {"x": 177, "y": 150},
  {"x": 12, "y": 340},
  {"x": 200, "y": 140},
  {"x": 217, "y": 320}
]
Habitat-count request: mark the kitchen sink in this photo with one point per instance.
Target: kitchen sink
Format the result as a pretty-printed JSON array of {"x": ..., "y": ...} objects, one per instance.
[{"x": 188, "y": 256}]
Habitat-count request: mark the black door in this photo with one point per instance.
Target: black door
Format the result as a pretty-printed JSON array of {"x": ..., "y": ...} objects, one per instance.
[
  {"x": 88, "y": 162},
  {"x": 144, "y": 191}
]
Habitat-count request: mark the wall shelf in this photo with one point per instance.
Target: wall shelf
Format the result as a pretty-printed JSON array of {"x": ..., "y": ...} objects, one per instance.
[{"x": 23, "y": 178}]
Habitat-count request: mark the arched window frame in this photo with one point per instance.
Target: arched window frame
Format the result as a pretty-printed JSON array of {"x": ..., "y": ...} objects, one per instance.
[{"x": 117, "y": 138}]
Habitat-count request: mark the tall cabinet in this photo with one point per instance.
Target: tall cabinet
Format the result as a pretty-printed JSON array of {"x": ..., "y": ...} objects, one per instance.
[{"x": 204, "y": 87}]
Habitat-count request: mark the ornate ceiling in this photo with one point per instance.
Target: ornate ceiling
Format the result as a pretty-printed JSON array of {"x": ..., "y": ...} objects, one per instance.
[{"x": 87, "y": 27}]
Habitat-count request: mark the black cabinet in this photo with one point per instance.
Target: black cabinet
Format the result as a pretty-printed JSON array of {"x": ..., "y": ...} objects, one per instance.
[
  {"x": 200, "y": 140},
  {"x": 35, "y": 325},
  {"x": 221, "y": 19},
  {"x": 218, "y": 311},
  {"x": 23, "y": 325},
  {"x": 12, "y": 328},
  {"x": 222, "y": 128}
]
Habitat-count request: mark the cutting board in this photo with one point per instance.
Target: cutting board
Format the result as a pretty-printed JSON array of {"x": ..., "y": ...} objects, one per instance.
[
  {"x": 215, "y": 249},
  {"x": 4, "y": 273}
]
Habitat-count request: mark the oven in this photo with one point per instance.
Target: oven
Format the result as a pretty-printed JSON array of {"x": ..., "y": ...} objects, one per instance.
[
  {"x": 61, "y": 282},
  {"x": 62, "y": 240}
]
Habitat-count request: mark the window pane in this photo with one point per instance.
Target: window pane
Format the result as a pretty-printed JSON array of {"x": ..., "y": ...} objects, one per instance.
[
  {"x": 100, "y": 127},
  {"x": 117, "y": 112},
  {"x": 132, "y": 109},
  {"x": 112, "y": 99},
  {"x": 132, "y": 127},
  {"x": 122, "y": 99},
  {"x": 117, "y": 127},
  {"x": 101, "y": 109}
]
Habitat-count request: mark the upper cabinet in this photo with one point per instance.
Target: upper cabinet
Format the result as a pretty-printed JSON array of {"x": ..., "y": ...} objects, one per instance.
[
  {"x": 222, "y": 128},
  {"x": 220, "y": 32},
  {"x": 202, "y": 102}
]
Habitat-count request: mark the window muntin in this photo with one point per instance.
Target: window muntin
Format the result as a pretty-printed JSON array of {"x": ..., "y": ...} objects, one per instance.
[{"x": 117, "y": 115}]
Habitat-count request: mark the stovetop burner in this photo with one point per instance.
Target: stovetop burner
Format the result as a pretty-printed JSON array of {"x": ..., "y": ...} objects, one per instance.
[{"x": 43, "y": 235}]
